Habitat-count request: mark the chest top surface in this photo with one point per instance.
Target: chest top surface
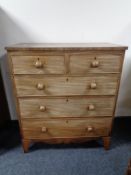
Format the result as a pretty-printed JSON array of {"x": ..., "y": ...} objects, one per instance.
[{"x": 64, "y": 46}]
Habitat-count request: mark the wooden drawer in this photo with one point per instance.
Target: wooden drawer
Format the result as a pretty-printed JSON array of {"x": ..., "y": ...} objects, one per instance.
[
  {"x": 44, "y": 129},
  {"x": 66, "y": 107},
  {"x": 65, "y": 86},
  {"x": 38, "y": 64},
  {"x": 105, "y": 63}
]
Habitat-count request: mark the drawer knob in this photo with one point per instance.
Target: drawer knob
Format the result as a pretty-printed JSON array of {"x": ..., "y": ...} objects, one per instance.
[
  {"x": 95, "y": 63},
  {"x": 40, "y": 86},
  {"x": 89, "y": 128},
  {"x": 91, "y": 107},
  {"x": 44, "y": 129},
  {"x": 42, "y": 108},
  {"x": 38, "y": 64},
  {"x": 93, "y": 85}
]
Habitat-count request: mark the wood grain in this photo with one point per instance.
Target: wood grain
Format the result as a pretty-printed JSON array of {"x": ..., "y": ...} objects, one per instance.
[
  {"x": 53, "y": 86},
  {"x": 50, "y": 64},
  {"x": 65, "y": 47},
  {"x": 82, "y": 64},
  {"x": 65, "y": 128},
  {"x": 66, "y": 107},
  {"x": 65, "y": 92}
]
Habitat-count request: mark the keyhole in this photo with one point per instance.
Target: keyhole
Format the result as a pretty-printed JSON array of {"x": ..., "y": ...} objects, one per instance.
[
  {"x": 67, "y": 79},
  {"x": 67, "y": 100}
]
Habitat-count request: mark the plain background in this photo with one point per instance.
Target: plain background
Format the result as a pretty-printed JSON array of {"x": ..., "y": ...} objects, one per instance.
[{"x": 67, "y": 21}]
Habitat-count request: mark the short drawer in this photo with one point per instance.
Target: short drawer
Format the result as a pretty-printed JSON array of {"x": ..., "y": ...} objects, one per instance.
[
  {"x": 65, "y": 86},
  {"x": 39, "y": 64},
  {"x": 104, "y": 63},
  {"x": 44, "y": 129},
  {"x": 66, "y": 107}
]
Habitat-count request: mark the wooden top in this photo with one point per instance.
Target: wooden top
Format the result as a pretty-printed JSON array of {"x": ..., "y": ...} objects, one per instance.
[{"x": 64, "y": 46}]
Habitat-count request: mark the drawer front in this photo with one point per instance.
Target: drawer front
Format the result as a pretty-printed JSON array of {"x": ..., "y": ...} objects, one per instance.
[
  {"x": 38, "y": 64},
  {"x": 55, "y": 86},
  {"x": 66, "y": 107},
  {"x": 44, "y": 129},
  {"x": 84, "y": 64}
]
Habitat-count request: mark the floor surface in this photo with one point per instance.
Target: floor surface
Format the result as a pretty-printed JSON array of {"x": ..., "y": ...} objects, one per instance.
[{"x": 83, "y": 159}]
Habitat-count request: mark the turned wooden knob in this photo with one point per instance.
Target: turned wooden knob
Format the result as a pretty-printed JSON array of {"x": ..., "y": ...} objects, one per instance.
[
  {"x": 42, "y": 108},
  {"x": 91, "y": 107},
  {"x": 44, "y": 129},
  {"x": 40, "y": 86},
  {"x": 95, "y": 63},
  {"x": 38, "y": 64},
  {"x": 93, "y": 85},
  {"x": 89, "y": 128}
]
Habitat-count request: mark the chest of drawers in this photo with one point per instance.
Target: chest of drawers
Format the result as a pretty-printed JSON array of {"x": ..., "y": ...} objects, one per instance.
[{"x": 65, "y": 92}]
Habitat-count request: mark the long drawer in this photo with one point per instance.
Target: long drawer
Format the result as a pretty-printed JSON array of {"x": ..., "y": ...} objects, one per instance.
[
  {"x": 27, "y": 85},
  {"x": 45, "y": 129},
  {"x": 66, "y": 107}
]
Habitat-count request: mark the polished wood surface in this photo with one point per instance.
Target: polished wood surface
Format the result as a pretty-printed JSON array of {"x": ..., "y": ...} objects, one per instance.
[
  {"x": 26, "y": 144},
  {"x": 65, "y": 128},
  {"x": 106, "y": 142},
  {"x": 102, "y": 63},
  {"x": 66, "y": 107},
  {"x": 65, "y": 92},
  {"x": 39, "y": 64},
  {"x": 65, "y": 46},
  {"x": 27, "y": 85}
]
